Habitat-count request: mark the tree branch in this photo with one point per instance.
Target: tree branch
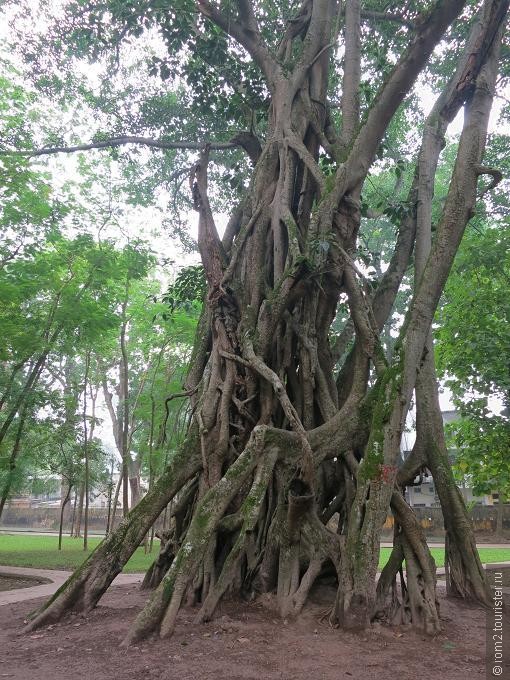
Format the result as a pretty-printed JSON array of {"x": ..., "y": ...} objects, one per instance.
[
  {"x": 496, "y": 175},
  {"x": 393, "y": 92},
  {"x": 245, "y": 31},
  {"x": 352, "y": 71},
  {"x": 121, "y": 141},
  {"x": 209, "y": 244},
  {"x": 387, "y": 16}
]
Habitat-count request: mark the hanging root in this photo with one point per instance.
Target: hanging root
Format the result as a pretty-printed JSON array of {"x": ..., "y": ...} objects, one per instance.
[
  {"x": 418, "y": 603},
  {"x": 248, "y": 516},
  {"x": 160, "y": 613},
  {"x": 83, "y": 590},
  {"x": 170, "y": 539},
  {"x": 167, "y": 551},
  {"x": 388, "y": 602},
  {"x": 304, "y": 540},
  {"x": 465, "y": 576},
  {"x": 421, "y": 600}
]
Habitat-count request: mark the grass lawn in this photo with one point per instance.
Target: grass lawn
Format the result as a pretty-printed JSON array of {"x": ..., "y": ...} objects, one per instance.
[
  {"x": 41, "y": 552},
  {"x": 486, "y": 555}
]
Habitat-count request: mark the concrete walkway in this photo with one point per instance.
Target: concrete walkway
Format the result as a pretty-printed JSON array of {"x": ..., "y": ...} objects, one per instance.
[
  {"x": 56, "y": 578},
  {"x": 433, "y": 544}
]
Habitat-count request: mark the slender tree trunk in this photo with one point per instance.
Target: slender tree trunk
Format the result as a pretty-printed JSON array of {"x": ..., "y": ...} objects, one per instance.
[
  {"x": 124, "y": 404},
  {"x": 86, "y": 453},
  {"x": 12, "y": 460},
  {"x": 65, "y": 500},
  {"x": 110, "y": 493},
  {"x": 73, "y": 516},
  {"x": 116, "y": 499},
  {"x": 151, "y": 457},
  {"x": 79, "y": 511},
  {"x": 499, "y": 517}
]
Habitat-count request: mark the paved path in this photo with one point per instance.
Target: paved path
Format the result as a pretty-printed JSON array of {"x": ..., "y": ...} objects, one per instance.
[
  {"x": 439, "y": 544},
  {"x": 56, "y": 578}
]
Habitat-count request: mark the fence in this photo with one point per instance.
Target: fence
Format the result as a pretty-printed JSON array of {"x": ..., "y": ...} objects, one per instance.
[
  {"x": 483, "y": 517},
  {"x": 47, "y": 519}
]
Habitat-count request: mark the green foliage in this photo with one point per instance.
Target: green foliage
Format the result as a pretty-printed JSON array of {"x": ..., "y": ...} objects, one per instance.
[
  {"x": 188, "y": 290},
  {"x": 473, "y": 346},
  {"x": 483, "y": 444}
]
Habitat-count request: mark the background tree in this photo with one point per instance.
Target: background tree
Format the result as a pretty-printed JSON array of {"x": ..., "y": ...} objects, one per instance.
[{"x": 473, "y": 349}]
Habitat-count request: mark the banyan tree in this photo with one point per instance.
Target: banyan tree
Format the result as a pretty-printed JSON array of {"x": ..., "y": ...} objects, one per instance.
[{"x": 297, "y": 410}]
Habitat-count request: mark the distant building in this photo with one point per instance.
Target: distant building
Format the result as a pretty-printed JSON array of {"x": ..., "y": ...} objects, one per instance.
[{"x": 423, "y": 494}]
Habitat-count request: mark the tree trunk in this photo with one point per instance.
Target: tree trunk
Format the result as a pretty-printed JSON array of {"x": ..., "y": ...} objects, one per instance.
[
  {"x": 499, "y": 517},
  {"x": 110, "y": 495},
  {"x": 465, "y": 576},
  {"x": 89, "y": 582},
  {"x": 65, "y": 500},
  {"x": 116, "y": 501},
  {"x": 12, "y": 460},
  {"x": 135, "y": 480},
  {"x": 73, "y": 516},
  {"x": 79, "y": 511},
  {"x": 86, "y": 482},
  {"x": 124, "y": 405},
  {"x": 277, "y": 435}
]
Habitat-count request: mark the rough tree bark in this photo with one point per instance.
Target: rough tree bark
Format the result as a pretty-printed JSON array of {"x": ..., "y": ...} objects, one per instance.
[
  {"x": 464, "y": 572},
  {"x": 278, "y": 435}
]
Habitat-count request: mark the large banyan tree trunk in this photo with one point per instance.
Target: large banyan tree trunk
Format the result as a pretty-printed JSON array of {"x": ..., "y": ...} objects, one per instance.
[{"x": 283, "y": 438}]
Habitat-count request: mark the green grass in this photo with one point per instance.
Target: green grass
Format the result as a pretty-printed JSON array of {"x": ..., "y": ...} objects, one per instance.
[
  {"x": 41, "y": 552},
  {"x": 486, "y": 555}
]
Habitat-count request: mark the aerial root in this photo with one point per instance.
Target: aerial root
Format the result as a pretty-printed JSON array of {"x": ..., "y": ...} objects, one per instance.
[{"x": 160, "y": 613}]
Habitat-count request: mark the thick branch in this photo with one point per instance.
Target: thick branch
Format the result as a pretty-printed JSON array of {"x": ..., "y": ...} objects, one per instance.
[
  {"x": 121, "y": 141},
  {"x": 387, "y": 16},
  {"x": 245, "y": 31},
  {"x": 352, "y": 71},
  {"x": 209, "y": 244},
  {"x": 394, "y": 91}
]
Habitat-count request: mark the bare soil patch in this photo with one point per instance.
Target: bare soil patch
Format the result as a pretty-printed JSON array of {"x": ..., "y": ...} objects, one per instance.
[
  {"x": 11, "y": 582},
  {"x": 245, "y": 641},
  {"x": 505, "y": 571}
]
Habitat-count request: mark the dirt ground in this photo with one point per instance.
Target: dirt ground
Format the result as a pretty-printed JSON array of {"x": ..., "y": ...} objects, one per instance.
[
  {"x": 505, "y": 578},
  {"x": 245, "y": 641},
  {"x": 8, "y": 582}
]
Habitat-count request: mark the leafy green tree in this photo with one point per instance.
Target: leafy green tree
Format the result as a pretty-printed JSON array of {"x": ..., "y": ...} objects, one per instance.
[
  {"x": 56, "y": 304},
  {"x": 482, "y": 443},
  {"x": 473, "y": 347}
]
